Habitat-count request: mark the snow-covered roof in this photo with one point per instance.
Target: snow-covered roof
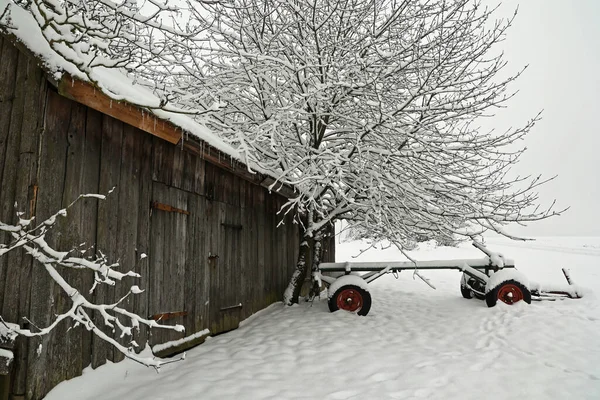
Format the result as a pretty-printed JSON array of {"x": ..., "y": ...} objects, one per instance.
[{"x": 111, "y": 82}]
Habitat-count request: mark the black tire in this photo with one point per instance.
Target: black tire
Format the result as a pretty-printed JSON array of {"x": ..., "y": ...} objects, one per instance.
[
  {"x": 465, "y": 290},
  {"x": 357, "y": 299},
  {"x": 509, "y": 292}
]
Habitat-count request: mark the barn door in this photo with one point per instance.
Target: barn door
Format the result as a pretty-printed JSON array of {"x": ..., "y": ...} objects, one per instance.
[
  {"x": 178, "y": 271},
  {"x": 225, "y": 269}
]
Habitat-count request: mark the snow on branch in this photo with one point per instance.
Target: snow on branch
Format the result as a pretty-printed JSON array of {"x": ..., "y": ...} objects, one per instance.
[
  {"x": 150, "y": 41},
  {"x": 32, "y": 239}
]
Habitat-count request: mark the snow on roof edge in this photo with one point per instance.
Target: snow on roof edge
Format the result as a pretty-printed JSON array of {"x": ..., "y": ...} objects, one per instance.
[{"x": 112, "y": 82}]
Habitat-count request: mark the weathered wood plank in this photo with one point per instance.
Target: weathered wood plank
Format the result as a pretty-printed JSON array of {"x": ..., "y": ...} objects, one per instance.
[
  {"x": 8, "y": 72},
  {"x": 254, "y": 282},
  {"x": 11, "y": 172},
  {"x": 180, "y": 231},
  {"x": 107, "y": 227},
  {"x": 8, "y": 75},
  {"x": 86, "y": 93},
  {"x": 45, "y": 353},
  {"x": 178, "y": 172},
  {"x": 282, "y": 247},
  {"x": 162, "y": 158},
  {"x": 202, "y": 276},
  {"x": 75, "y": 228},
  {"x": 199, "y": 175},
  {"x": 259, "y": 209},
  {"x": 192, "y": 264},
  {"x": 216, "y": 255},
  {"x": 157, "y": 252},
  {"x": 129, "y": 196},
  {"x": 89, "y": 183},
  {"x": 143, "y": 236}
]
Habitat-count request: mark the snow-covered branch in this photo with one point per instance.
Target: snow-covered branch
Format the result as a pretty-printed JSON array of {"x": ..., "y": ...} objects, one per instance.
[{"x": 32, "y": 239}]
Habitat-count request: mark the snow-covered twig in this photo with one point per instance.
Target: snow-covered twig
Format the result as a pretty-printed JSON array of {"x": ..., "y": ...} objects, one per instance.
[{"x": 32, "y": 239}]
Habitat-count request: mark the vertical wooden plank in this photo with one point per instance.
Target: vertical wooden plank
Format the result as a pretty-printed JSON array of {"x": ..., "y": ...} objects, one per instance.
[
  {"x": 107, "y": 227},
  {"x": 128, "y": 206},
  {"x": 199, "y": 175},
  {"x": 259, "y": 210},
  {"x": 280, "y": 223},
  {"x": 9, "y": 186},
  {"x": 225, "y": 245},
  {"x": 271, "y": 249},
  {"x": 192, "y": 264},
  {"x": 162, "y": 161},
  {"x": 176, "y": 300},
  {"x": 8, "y": 81},
  {"x": 202, "y": 276},
  {"x": 209, "y": 181},
  {"x": 8, "y": 73},
  {"x": 74, "y": 230},
  {"x": 89, "y": 183},
  {"x": 255, "y": 283},
  {"x": 246, "y": 267},
  {"x": 143, "y": 238},
  {"x": 177, "y": 167},
  {"x": 156, "y": 263},
  {"x": 43, "y": 354},
  {"x": 216, "y": 254}
]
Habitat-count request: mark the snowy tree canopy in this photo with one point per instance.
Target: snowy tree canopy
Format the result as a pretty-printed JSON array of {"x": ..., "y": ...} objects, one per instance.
[{"x": 371, "y": 109}]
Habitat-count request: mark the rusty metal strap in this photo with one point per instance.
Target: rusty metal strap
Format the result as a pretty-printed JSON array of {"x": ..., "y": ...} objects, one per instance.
[
  {"x": 165, "y": 207},
  {"x": 168, "y": 315}
]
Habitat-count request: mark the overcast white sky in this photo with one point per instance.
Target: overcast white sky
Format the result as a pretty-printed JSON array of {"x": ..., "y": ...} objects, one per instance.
[{"x": 560, "y": 41}]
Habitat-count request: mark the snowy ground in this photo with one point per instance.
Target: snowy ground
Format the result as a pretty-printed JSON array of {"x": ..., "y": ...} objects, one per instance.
[{"x": 415, "y": 343}]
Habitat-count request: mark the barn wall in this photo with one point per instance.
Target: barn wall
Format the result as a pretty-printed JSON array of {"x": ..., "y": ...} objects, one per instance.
[{"x": 217, "y": 255}]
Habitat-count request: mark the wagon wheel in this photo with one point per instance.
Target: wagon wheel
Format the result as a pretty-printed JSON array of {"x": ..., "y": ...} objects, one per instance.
[
  {"x": 468, "y": 283},
  {"x": 465, "y": 290},
  {"x": 350, "y": 298},
  {"x": 508, "y": 292}
]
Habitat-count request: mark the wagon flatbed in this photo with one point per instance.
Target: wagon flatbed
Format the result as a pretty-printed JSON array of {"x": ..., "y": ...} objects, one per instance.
[{"x": 396, "y": 266}]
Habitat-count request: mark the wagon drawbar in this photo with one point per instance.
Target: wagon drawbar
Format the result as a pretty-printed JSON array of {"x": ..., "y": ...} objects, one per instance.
[{"x": 492, "y": 278}]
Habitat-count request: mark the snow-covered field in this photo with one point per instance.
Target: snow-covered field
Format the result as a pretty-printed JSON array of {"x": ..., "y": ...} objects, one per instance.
[{"x": 415, "y": 343}]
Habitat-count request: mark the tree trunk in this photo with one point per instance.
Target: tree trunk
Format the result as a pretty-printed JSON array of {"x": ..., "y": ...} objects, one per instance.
[
  {"x": 292, "y": 293},
  {"x": 314, "y": 269}
]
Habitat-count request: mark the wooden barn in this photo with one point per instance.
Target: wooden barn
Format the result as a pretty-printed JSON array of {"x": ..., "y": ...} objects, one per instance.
[{"x": 209, "y": 228}]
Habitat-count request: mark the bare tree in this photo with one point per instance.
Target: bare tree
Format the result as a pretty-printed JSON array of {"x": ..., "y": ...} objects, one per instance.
[
  {"x": 370, "y": 109},
  {"x": 32, "y": 238}
]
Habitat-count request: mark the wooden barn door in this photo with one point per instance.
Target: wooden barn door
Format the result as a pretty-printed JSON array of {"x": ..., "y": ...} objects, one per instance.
[
  {"x": 178, "y": 268},
  {"x": 225, "y": 269}
]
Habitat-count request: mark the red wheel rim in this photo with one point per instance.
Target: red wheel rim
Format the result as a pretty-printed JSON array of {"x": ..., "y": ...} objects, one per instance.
[
  {"x": 510, "y": 294},
  {"x": 349, "y": 300}
]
